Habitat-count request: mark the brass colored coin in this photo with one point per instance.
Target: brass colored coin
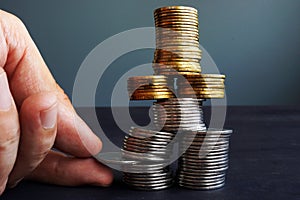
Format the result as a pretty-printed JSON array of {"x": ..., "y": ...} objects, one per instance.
[
  {"x": 171, "y": 31},
  {"x": 218, "y": 76},
  {"x": 197, "y": 70},
  {"x": 201, "y": 92},
  {"x": 149, "y": 87},
  {"x": 178, "y": 63},
  {"x": 213, "y": 76},
  {"x": 165, "y": 33},
  {"x": 183, "y": 15},
  {"x": 203, "y": 86},
  {"x": 189, "y": 21},
  {"x": 151, "y": 96},
  {"x": 181, "y": 49},
  {"x": 177, "y": 73},
  {"x": 177, "y": 22},
  {"x": 136, "y": 78},
  {"x": 183, "y": 8}
]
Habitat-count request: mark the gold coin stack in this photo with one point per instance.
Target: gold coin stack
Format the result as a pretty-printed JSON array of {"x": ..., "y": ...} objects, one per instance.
[
  {"x": 203, "y": 86},
  {"x": 179, "y": 88},
  {"x": 149, "y": 87},
  {"x": 177, "y": 41}
]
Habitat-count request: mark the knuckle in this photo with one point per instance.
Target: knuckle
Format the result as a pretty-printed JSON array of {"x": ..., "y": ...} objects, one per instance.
[
  {"x": 8, "y": 17},
  {"x": 9, "y": 138}
]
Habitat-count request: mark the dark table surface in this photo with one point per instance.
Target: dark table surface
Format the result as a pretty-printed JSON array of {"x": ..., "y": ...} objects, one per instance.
[{"x": 264, "y": 162}]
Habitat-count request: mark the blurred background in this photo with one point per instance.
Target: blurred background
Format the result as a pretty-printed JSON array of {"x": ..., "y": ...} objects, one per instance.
[{"x": 255, "y": 43}]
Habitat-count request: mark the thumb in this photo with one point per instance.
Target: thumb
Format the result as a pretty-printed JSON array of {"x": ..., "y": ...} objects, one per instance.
[{"x": 28, "y": 75}]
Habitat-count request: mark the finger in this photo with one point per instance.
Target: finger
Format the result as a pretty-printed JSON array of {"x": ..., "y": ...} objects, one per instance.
[
  {"x": 68, "y": 171},
  {"x": 74, "y": 136},
  {"x": 29, "y": 75},
  {"x": 9, "y": 131},
  {"x": 38, "y": 117}
]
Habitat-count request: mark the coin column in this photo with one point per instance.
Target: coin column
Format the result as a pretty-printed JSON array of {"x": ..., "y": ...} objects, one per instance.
[
  {"x": 204, "y": 162},
  {"x": 151, "y": 148}
]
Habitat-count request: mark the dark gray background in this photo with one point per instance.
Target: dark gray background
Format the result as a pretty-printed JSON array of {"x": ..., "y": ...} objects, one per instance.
[{"x": 255, "y": 43}]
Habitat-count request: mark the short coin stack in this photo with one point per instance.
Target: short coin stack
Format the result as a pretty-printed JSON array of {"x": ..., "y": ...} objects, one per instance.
[
  {"x": 204, "y": 162},
  {"x": 204, "y": 86},
  {"x": 179, "y": 114},
  {"x": 152, "y": 172},
  {"x": 149, "y": 87},
  {"x": 179, "y": 88}
]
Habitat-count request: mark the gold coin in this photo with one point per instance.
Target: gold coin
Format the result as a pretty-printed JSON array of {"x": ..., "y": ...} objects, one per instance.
[
  {"x": 158, "y": 59},
  {"x": 176, "y": 71},
  {"x": 151, "y": 96},
  {"x": 181, "y": 49},
  {"x": 201, "y": 93},
  {"x": 149, "y": 87},
  {"x": 203, "y": 85},
  {"x": 177, "y": 55},
  {"x": 148, "y": 78},
  {"x": 174, "y": 41},
  {"x": 178, "y": 63},
  {"x": 170, "y": 32},
  {"x": 213, "y": 76},
  {"x": 175, "y": 14},
  {"x": 177, "y": 67},
  {"x": 176, "y": 21},
  {"x": 172, "y": 17},
  {"x": 200, "y": 81},
  {"x": 180, "y": 42},
  {"x": 189, "y": 28},
  {"x": 184, "y": 8}
]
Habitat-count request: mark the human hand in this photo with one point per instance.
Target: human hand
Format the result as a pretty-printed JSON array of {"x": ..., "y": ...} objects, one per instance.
[{"x": 36, "y": 115}]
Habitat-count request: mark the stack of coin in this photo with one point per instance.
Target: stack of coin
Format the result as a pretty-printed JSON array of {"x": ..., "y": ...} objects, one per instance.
[
  {"x": 204, "y": 86},
  {"x": 179, "y": 114},
  {"x": 204, "y": 163},
  {"x": 153, "y": 150},
  {"x": 149, "y": 88},
  {"x": 177, "y": 71},
  {"x": 177, "y": 41}
]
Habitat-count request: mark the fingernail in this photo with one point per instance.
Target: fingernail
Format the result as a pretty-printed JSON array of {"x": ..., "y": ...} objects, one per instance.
[
  {"x": 49, "y": 117},
  {"x": 3, "y": 186},
  {"x": 10, "y": 186},
  {"x": 92, "y": 142},
  {"x": 5, "y": 97}
]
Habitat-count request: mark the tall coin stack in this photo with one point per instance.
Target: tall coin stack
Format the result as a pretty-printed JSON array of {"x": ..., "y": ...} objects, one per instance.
[{"x": 179, "y": 88}]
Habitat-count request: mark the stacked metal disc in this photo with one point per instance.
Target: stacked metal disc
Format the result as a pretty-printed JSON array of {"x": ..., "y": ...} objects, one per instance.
[
  {"x": 149, "y": 87},
  {"x": 177, "y": 71},
  {"x": 177, "y": 41},
  {"x": 204, "y": 86},
  {"x": 205, "y": 161},
  {"x": 152, "y": 149},
  {"x": 179, "y": 114}
]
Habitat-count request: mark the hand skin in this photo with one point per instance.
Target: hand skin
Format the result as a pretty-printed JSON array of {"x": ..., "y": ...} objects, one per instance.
[{"x": 36, "y": 115}]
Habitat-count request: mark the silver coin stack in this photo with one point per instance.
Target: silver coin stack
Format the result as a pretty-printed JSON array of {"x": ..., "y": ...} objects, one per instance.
[
  {"x": 204, "y": 162},
  {"x": 179, "y": 114},
  {"x": 152, "y": 149}
]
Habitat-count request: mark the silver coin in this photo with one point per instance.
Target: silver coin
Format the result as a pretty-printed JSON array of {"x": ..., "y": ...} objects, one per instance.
[
  {"x": 194, "y": 170},
  {"x": 114, "y": 158},
  {"x": 202, "y": 175},
  {"x": 204, "y": 186},
  {"x": 141, "y": 156},
  {"x": 150, "y": 188},
  {"x": 195, "y": 187}
]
